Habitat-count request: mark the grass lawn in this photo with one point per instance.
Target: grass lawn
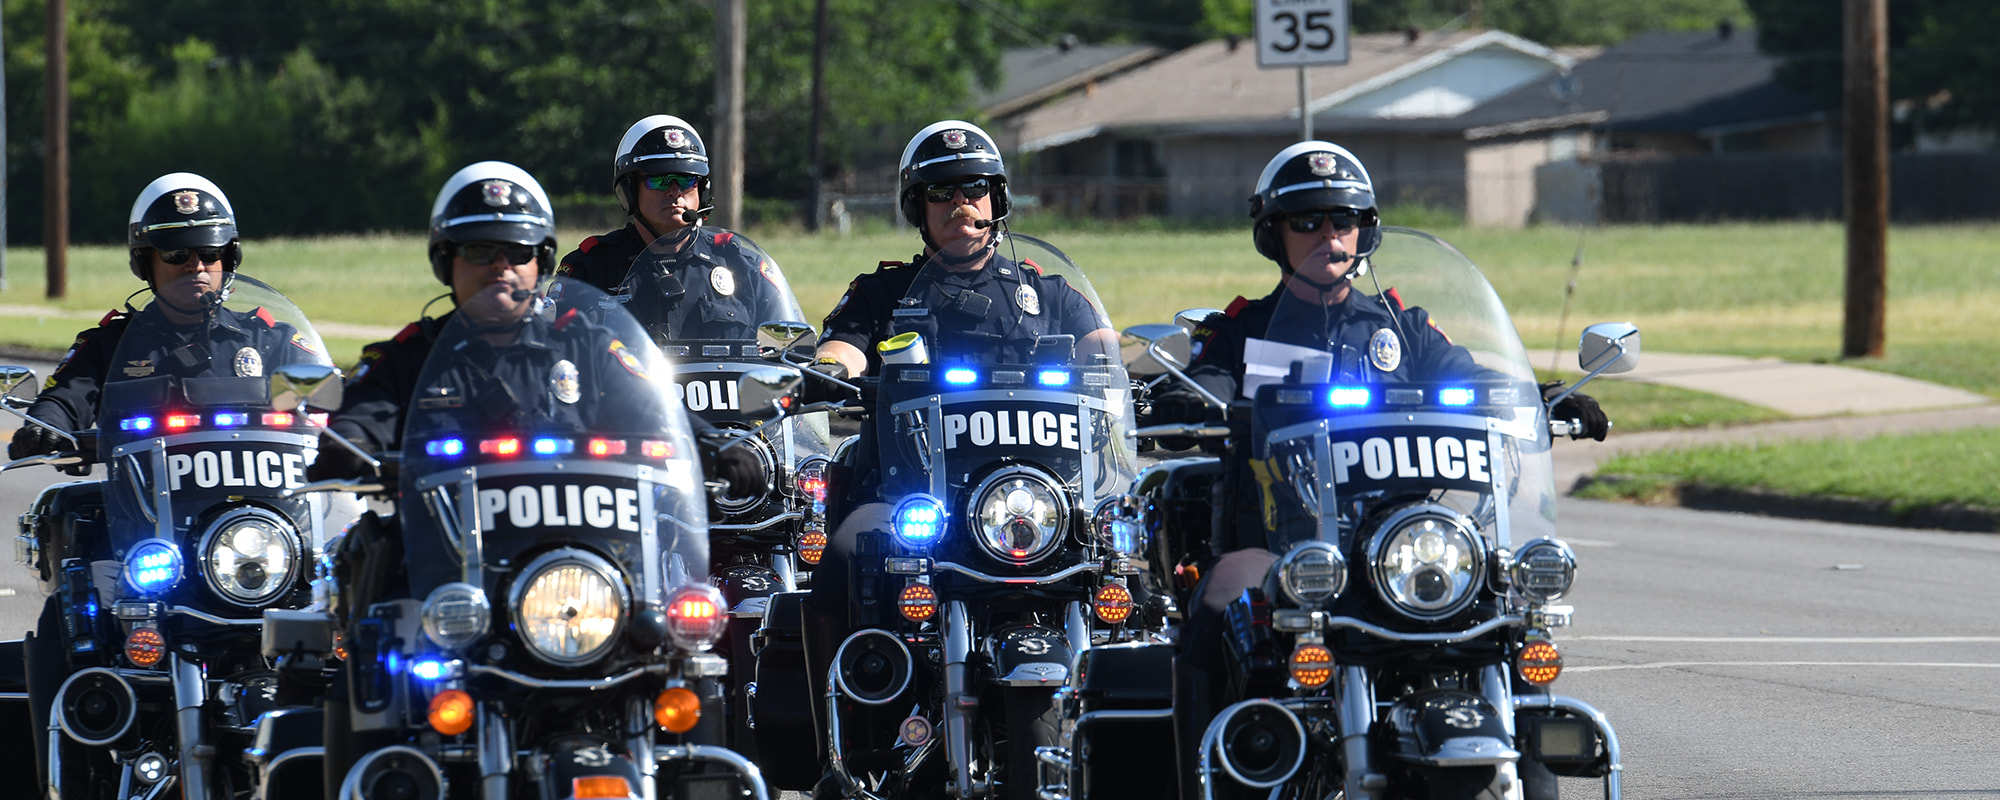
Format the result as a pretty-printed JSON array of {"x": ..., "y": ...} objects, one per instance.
[{"x": 1903, "y": 470}]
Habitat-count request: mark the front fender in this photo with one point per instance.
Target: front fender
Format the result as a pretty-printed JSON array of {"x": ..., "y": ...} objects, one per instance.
[
  {"x": 585, "y": 757},
  {"x": 1450, "y": 728}
]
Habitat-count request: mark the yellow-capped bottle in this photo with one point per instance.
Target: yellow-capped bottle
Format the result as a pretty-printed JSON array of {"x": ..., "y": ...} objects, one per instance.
[{"x": 904, "y": 348}]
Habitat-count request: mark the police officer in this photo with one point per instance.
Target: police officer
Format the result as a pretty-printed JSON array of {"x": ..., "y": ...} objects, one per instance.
[
  {"x": 182, "y": 240},
  {"x": 492, "y": 240},
  {"x": 680, "y": 279},
  {"x": 977, "y": 305},
  {"x": 1315, "y": 216}
]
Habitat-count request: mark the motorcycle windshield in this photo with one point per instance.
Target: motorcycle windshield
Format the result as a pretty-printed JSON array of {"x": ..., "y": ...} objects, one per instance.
[
  {"x": 1407, "y": 382},
  {"x": 559, "y": 430},
  {"x": 192, "y": 448},
  {"x": 1003, "y": 360}
]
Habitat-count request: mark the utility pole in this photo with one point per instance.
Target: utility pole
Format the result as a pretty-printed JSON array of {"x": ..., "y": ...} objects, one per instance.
[
  {"x": 818, "y": 146},
  {"x": 728, "y": 169},
  {"x": 1865, "y": 184},
  {"x": 3, "y": 164},
  {"x": 55, "y": 166}
]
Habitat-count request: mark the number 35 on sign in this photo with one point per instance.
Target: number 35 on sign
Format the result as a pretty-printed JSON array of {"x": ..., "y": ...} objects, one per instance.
[{"x": 1297, "y": 33}]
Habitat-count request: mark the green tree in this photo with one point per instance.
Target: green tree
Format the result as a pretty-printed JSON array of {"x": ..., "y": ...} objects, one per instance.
[
  {"x": 103, "y": 74},
  {"x": 1941, "y": 54}
]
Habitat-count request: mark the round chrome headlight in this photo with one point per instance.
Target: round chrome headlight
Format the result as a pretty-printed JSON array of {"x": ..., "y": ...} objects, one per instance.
[
  {"x": 248, "y": 556},
  {"x": 569, "y": 606},
  {"x": 1428, "y": 561},
  {"x": 1312, "y": 574},
  {"x": 1543, "y": 569},
  {"x": 1017, "y": 515},
  {"x": 456, "y": 614},
  {"x": 739, "y": 499}
]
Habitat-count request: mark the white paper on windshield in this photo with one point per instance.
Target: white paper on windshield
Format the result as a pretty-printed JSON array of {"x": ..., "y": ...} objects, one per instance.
[{"x": 1269, "y": 362}]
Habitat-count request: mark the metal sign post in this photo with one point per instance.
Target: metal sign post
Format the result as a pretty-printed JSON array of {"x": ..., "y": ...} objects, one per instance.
[{"x": 1299, "y": 34}]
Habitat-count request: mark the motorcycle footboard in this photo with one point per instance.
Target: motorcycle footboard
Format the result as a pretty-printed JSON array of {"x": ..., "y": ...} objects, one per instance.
[
  {"x": 1570, "y": 737},
  {"x": 779, "y": 704},
  {"x": 1122, "y": 710},
  {"x": 707, "y": 772}
]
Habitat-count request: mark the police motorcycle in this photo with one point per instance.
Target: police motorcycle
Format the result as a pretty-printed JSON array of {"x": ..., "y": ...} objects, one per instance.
[
  {"x": 1007, "y": 547},
  {"x": 707, "y": 318},
  {"x": 550, "y": 637},
  {"x": 159, "y": 574},
  {"x": 1402, "y": 643}
]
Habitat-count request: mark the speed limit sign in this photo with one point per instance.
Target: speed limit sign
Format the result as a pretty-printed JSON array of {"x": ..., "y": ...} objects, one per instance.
[{"x": 1297, "y": 33}]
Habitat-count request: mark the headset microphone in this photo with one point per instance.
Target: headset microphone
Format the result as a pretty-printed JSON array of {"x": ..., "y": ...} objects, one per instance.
[{"x": 694, "y": 216}]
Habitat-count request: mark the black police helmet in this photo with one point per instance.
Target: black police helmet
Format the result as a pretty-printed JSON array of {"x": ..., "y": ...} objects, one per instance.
[
  {"x": 1309, "y": 176},
  {"x": 491, "y": 201},
  {"x": 949, "y": 152},
  {"x": 658, "y": 145},
  {"x": 179, "y": 211}
]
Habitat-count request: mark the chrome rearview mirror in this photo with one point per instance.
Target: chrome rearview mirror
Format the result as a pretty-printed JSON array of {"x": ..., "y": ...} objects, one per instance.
[
  {"x": 1608, "y": 348},
  {"x": 768, "y": 391},
  {"x": 785, "y": 334},
  {"x": 12, "y": 376},
  {"x": 1139, "y": 342},
  {"x": 296, "y": 387},
  {"x": 1191, "y": 319}
]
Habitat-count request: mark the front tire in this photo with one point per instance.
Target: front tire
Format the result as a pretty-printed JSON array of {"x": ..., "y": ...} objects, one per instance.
[{"x": 1032, "y": 720}]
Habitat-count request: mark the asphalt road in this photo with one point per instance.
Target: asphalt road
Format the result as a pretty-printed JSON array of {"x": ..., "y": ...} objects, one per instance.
[{"x": 1737, "y": 656}]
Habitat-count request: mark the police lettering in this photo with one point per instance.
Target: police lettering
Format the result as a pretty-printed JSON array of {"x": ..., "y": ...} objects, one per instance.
[
  {"x": 1447, "y": 457},
  {"x": 560, "y": 507},
  {"x": 267, "y": 469},
  {"x": 1019, "y": 427},
  {"x": 699, "y": 395}
]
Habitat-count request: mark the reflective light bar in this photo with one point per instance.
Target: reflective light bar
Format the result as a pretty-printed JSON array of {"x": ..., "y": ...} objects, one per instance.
[
  {"x": 606, "y": 447},
  {"x": 554, "y": 447},
  {"x": 445, "y": 448},
  {"x": 228, "y": 419},
  {"x": 279, "y": 419},
  {"x": 500, "y": 447},
  {"x": 136, "y": 424},
  {"x": 1347, "y": 397},
  {"x": 960, "y": 376},
  {"x": 1053, "y": 377},
  {"x": 1455, "y": 396}
]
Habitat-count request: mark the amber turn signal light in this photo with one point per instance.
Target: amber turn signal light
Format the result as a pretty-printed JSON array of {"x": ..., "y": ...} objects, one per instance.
[
  {"x": 1312, "y": 665},
  {"x": 451, "y": 712},
  {"x": 918, "y": 603},
  {"x": 600, "y": 787},
  {"x": 145, "y": 646},
  {"x": 677, "y": 710},
  {"x": 1540, "y": 662},
  {"x": 812, "y": 546},
  {"x": 1112, "y": 603}
]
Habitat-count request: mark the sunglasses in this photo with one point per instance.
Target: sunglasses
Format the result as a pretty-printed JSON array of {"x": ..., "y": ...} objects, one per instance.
[
  {"x": 972, "y": 189},
  {"x": 1342, "y": 221},
  {"x": 672, "y": 183},
  {"x": 208, "y": 255},
  {"x": 480, "y": 254}
]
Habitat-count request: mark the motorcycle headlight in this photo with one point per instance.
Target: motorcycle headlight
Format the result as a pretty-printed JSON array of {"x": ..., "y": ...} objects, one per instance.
[
  {"x": 1543, "y": 569},
  {"x": 1312, "y": 574},
  {"x": 248, "y": 556},
  {"x": 569, "y": 606},
  {"x": 739, "y": 499},
  {"x": 1427, "y": 561},
  {"x": 1018, "y": 515},
  {"x": 456, "y": 614}
]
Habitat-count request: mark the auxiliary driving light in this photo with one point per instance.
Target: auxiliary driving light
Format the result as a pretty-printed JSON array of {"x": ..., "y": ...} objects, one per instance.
[
  {"x": 918, "y": 521},
  {"x": 1540, "y": 662}
]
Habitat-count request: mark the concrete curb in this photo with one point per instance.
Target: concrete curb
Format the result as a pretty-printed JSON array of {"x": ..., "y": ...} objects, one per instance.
[{"x": 1849, "y": 510}]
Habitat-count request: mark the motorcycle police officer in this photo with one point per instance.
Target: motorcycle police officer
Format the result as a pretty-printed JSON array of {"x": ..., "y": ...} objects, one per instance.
[
  {"x": 1315, "y": 215},
  {"x": 981, "y": 305},
  {"x": 697, "y": 282},
  {"x": 492, "y": 240},
  {"x": 183, "y": 244}
]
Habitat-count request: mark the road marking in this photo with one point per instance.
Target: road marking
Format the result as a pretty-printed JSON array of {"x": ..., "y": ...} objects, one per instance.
[
  {"x": 1793, "y": 639},
  {"x": 6, "y": 592},
  {"x": 1681, "y": 664}
]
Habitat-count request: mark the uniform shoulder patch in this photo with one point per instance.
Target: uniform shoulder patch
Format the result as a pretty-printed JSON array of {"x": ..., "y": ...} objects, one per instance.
[
  {"x": 264, "y": 315},
  {"x": 627, "y": 360},
  {"x": 299, "y": 341},
  {"x": 588, "y": 243},
  {"x": 1236, "y": 306},
  {"x": 1397, "y": 299},
  {"x": 1434, "y": 326},
  {"x": 723, "y": 237}
]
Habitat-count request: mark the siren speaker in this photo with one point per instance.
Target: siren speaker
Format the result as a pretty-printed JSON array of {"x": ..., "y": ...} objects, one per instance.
[
  {"x": 394, "y": 773},
  {"x": 96, "y": 706},
  {"x": 1261, "y": 744},
  {"x": 873, "y": 667}
]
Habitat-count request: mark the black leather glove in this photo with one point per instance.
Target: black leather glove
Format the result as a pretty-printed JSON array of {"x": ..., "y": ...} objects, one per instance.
[
  {"x": 819, "y": 391},
  {"x": 336, "y": 462},
  {"x": 34, "y": 440},
  {"x": 1580, "y": 407},
  {"x": 738, "y": 465}
]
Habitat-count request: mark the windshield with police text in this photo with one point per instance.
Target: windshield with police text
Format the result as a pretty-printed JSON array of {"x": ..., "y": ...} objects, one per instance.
[{"x": 558, "y": 426}]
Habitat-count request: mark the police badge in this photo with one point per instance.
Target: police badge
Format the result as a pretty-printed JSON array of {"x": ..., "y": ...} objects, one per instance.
[
  {"x": 496, "y": 192},
  {"x": 563, "y": 381},
  {"x": 187, "y": 202},
  {"x": 249, "y": 364},
  {"x": 1322, "y": 164},
  {"x": 676, "y": 138},
  {"x": 1026, "y": 298},
  {"x": 722, "y": 281},
  {"x": 954, "y": 139},
  {"x": 1385, "y": 350}
]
